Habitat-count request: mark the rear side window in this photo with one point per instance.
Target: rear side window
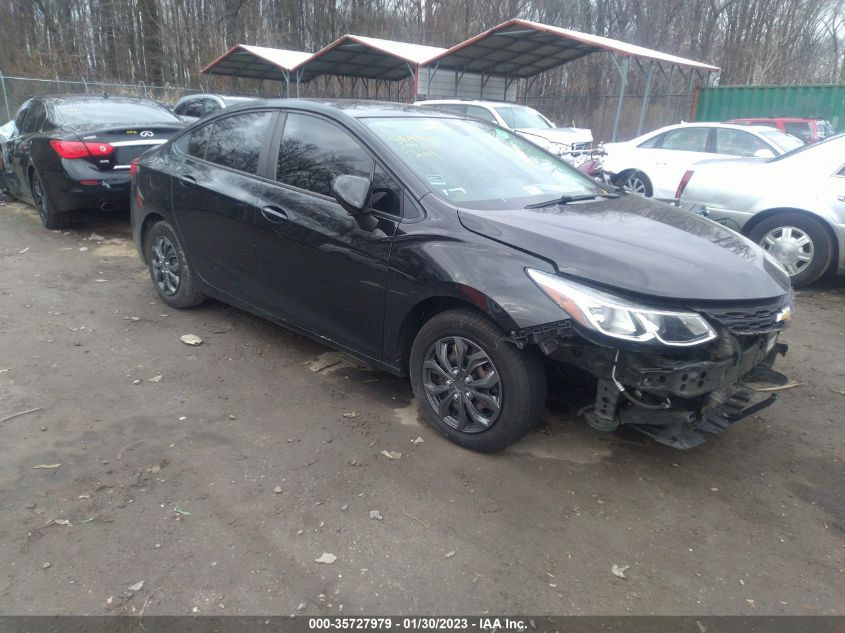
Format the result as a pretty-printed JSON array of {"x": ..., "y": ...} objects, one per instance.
[
  {"x": 692, "y": 139},
  {"x": 196, "y": 142},
  {"x": 801, "y": 130},
  {"x": 35, "y": 119},
  {"x": 314, "y": 152},
  {"x": 236, "y": 141},
  {"x": 21, "y": 117}
]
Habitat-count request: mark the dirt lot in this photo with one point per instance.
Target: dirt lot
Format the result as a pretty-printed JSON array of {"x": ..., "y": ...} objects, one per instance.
[{"x": 218, "y": 474}]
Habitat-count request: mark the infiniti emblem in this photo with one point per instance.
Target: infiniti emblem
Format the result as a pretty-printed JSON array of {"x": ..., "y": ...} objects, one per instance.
[{"x": 146, "y": 133}]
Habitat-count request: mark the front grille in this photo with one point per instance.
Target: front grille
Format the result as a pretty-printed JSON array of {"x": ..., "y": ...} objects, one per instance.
[{"x": 746, "y": 318}]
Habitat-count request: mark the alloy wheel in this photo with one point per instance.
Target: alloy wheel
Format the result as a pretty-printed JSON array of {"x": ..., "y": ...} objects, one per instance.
[
  {"x": 791, "y": 246},
  {"x": 462, "y": 384},
  {"x": 166, "y": 267},
  {"x": 635, "y": 184}
]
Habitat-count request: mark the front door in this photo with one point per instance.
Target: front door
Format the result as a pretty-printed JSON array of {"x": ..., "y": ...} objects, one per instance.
[{"x": 322, "y": 268}]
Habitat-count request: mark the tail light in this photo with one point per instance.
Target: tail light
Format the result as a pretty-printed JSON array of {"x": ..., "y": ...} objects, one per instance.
[
  {"x": 78, "y": 149},
  {"x": 133, "y": 167},
  {"x": 683, "y": 184}
]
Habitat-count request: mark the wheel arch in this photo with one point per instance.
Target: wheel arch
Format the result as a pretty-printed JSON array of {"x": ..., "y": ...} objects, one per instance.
[
  {"x": 150, "y": 220},
  {"x": 429, "y": 307}
]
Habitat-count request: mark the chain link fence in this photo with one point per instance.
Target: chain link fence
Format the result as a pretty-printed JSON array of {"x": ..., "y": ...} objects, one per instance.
[
  {"x": 597, "y": 112},
  {"x": 16, "y": 90}
]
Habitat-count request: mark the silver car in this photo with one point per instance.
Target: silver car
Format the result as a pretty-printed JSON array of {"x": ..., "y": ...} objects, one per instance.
[{"x": 792, "y": 205}]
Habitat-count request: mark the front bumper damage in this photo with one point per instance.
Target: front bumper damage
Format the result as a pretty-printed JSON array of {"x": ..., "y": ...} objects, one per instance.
[{"x": 676, "y": 396}]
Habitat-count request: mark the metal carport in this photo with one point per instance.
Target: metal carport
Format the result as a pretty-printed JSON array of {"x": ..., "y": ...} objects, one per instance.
[
  {"x": 259, "y": 62},
  {"x": 368, "y": 58},
  {"x": 521, "y": 49}
]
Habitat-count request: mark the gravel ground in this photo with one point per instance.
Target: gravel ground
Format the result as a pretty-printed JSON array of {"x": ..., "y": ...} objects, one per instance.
[{"x": 218, "y": 474}]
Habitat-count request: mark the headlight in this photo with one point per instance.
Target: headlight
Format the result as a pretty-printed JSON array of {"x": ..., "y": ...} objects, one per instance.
[{"x": 616, "y": 317}]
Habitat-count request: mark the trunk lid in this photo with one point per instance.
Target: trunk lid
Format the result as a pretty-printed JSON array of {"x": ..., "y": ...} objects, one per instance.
[{"x": 127, "y": 142}]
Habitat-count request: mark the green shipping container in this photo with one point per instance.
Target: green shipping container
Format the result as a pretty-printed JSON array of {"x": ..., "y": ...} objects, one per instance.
[{"x": 721, "y": 103}]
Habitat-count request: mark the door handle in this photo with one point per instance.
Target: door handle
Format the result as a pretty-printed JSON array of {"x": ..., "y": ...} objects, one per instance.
[
  {"x": 840, "y": 198},
  {"x": 274, "y": 214},
  {"x": 187, "y": 181}
]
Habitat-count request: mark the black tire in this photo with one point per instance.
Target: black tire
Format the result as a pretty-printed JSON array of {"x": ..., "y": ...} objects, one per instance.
[
  {"x": 171, "y": 273},
  {"x": 46, "y": 211},
  {"x": 820, "y": 248},
  {"x": 627, "y": 179},
  {"x": 520, "y": 389}
]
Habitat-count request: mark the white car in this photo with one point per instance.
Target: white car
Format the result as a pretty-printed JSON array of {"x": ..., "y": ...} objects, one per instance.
[
  {"x": 525, "y": 121},
  {"x": 653, "y": 164},
  {"x": 793, "y": 205},
  {"x": 191, "y": 108}
]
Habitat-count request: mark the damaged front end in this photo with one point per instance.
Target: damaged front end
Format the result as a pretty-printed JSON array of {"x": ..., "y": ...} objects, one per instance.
[{"x": 673, "y": 392}]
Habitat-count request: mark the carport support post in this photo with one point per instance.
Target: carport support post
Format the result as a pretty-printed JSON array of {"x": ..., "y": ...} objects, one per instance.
[
  {"x": 286, "y": 75},
  {"x": 5, "y": 95},
  {"x": 646, "y": 94},
  {"x": 623, "y": 69}
]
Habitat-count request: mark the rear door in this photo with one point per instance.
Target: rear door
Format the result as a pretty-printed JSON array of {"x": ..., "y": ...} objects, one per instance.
[
  {"x": 320, "y": 267},
  {"x": 215, "y": 191}
]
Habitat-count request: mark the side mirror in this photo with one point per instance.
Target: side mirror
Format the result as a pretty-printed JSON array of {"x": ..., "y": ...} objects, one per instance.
[
  {"x": 351, "y": 192},
  {"x": 764, "y": 153}
]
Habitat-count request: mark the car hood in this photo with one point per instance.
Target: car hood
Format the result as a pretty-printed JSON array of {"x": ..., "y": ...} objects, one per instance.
[
  {"x": 638, "y": 246},
  {"x": 566, "y": 135}
]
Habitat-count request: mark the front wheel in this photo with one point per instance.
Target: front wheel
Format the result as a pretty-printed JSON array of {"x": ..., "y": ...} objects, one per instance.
[
  {"x": 799, "y": 242},
  {"x": 480, "y": 391},
  {"x": 172, "y": 274}
]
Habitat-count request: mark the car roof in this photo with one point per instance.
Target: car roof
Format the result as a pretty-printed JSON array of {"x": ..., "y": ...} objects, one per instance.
[
  {"x": 695, "y": 124},
  {"x": 59, "y": 98},
  {"x": 479, "y": 102},
  {"x": 353, "y": 108},
  {"x": 786, "y": 119}
]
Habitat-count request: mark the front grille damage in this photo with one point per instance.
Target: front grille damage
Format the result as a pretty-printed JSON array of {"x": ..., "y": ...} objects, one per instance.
[{"x": 675, "y": 395}]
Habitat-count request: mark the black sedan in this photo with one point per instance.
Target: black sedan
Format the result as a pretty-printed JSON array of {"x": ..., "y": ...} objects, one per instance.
[
  {"x": 460, "y": 253},
  {"x": 70, "y": 153}
]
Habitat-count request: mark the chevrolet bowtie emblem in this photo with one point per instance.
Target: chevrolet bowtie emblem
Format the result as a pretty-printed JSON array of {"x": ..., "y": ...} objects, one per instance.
[{"x": 784, "y": 315}]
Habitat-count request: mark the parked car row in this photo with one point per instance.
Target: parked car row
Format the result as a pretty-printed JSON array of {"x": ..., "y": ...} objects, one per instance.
[{"x": 435, "y": 245}]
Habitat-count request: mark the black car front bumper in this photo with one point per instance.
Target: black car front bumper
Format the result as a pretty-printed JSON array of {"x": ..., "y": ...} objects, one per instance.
[{"x": 675, "y": 395}]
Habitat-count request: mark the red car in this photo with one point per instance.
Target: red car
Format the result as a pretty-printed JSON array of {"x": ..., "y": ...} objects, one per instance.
[{"x": 808, "y": 129}]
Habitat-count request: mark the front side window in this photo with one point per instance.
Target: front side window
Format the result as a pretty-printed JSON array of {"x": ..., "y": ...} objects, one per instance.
[
  {"x": 481, "y": 113},
  {"x": 692, "y": 139},
  {"x": 193, "y": 108},
  {"x": 475, "y": 165},
  {"x": 738, "y": 143},
  {"x": 521, "y": 117},
  {"x": 314, "y": 152},
  {"x": 236, "y": 141},
  {"x": 385, "y": 194},
  {"x": 210, "y": 106}
]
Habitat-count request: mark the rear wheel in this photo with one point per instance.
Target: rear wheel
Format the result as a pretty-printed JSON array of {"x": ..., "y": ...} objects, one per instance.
[
  {"x": 799, "y": 242},
  {"x": 49, "y": 218},
  {"x": 172, "y": 274},
  {"x": 635, "y": 182},
  {"x": 480, "y": 391}
]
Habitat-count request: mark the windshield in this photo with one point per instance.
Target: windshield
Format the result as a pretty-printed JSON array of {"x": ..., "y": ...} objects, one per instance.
[
  {"x": 109, "y": 111},
  {"x": 516, "y": 117},
  {"x": 480, "y": 166},
  {"x": 821, "y": 146},
  {"x": 786, "y": 142}
]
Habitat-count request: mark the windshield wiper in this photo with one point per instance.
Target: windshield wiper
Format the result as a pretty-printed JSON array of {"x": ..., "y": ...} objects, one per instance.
[{"x": 566, "y": 199}]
